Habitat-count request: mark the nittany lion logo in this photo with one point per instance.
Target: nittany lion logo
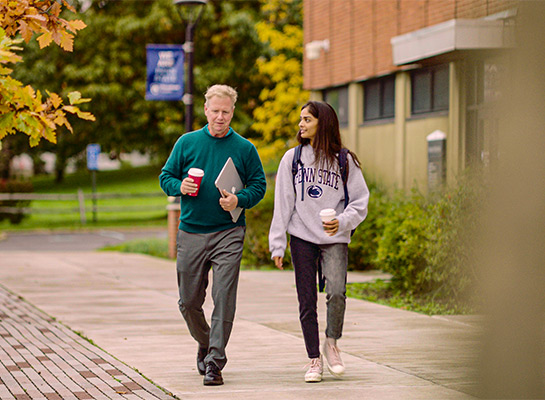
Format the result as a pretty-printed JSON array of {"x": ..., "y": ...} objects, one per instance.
[{"x": 315, "y": 191}]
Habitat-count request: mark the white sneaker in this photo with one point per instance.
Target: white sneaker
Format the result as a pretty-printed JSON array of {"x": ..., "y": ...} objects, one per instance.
[
  {"x": 315, "y": 370},
  {"x": 333, "y": 357}
]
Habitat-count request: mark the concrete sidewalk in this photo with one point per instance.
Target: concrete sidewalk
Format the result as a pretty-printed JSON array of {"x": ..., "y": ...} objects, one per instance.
[{"x": 127, "y": 305}]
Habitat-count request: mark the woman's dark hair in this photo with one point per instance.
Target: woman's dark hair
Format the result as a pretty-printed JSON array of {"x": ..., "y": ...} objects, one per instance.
[{"x": 327, "y": 141}]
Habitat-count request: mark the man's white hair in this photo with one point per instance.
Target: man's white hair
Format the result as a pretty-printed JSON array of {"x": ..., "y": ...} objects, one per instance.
[{"x": 221, "y": 91}]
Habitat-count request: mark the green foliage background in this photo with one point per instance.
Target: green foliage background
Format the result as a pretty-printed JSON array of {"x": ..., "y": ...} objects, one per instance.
[{"x": 236, "y": 43}]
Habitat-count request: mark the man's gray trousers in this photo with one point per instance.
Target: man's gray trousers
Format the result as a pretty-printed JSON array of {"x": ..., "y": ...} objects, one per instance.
[{"x": 196, "y": 254}]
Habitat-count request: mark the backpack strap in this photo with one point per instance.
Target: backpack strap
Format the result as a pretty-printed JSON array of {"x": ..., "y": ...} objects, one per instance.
[
  {"x": 344, "y": 175},
  {"x": 344, "y": 172},
  {"x": 295, "y": 168},
  {"x": 321, "y": 277}
]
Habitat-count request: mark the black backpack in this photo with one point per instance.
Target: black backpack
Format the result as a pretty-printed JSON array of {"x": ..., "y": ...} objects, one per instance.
[{"x": 344, "y": 176}]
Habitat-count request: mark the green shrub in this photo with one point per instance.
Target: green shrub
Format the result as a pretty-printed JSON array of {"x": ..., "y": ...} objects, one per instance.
[
  {"x": 455, "y": 220},
  {"x": 363, "y": 245},
  {"x": 401, "y": 249},
  {"x": 426, "y": 242},
  {"x": 10, "y": 186},
  {"x": 258, "y": 221}
]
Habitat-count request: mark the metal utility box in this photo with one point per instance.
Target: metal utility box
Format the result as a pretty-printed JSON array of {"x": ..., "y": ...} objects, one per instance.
[{"x": 436, "y": 159}]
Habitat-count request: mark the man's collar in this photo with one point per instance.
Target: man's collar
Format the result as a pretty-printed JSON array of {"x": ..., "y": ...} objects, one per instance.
[{"x": 205, "y": 128}]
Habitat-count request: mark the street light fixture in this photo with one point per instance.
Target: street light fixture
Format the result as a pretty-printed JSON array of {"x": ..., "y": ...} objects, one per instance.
[{"x": 195, "y": 9}]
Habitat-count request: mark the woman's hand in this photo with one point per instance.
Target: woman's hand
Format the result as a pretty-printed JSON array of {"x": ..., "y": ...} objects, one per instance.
[
  {"x": 331, "y": 227},
  {"x": 278, "y": 262}
]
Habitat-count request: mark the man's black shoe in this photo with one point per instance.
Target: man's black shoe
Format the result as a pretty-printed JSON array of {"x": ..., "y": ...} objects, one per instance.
[
  {"x": 200, "y": 360},
  {"x": 212, "y": 376}
]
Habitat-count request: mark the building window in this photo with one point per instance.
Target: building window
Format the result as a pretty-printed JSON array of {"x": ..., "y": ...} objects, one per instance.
[
  {"x": 338, "y": 99},
  {"x": 379, "y": 98},
  {"x": 430, "y": 90}
]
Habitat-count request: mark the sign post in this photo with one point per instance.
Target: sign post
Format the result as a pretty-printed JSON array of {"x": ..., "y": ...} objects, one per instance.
[{"x": 93, "y": 151}]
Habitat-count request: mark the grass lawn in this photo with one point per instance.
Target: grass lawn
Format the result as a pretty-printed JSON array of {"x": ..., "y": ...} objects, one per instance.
[
  {"x": 381, "y": 292},
  {"x": 152, "y": 247},
  {"x": 127, "y": 180}
]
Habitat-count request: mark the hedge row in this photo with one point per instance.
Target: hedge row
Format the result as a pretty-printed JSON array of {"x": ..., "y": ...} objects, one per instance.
[
  {"x": 12, "y": 186},
  {"x": 426, "y": 241},
  {"x": 422, "y": 240}
]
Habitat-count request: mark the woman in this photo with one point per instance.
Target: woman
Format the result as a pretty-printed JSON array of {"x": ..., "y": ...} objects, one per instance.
[{"x": 317, "y": 246}]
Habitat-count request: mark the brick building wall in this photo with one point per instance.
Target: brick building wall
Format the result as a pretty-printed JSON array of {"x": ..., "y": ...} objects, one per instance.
[
  {"x": 359, "y": 32},
  {"x": 341, "y": 54}
]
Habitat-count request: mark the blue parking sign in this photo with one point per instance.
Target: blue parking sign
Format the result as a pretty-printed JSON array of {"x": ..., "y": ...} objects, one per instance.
[{"x": 93, "y": 150}]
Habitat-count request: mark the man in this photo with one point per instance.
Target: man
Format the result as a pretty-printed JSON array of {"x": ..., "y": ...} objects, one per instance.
[{"x": 207, "y": 237}]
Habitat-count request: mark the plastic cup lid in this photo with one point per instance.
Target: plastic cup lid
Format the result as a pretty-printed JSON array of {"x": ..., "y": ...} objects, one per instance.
[{"x": 196, "y": 172}]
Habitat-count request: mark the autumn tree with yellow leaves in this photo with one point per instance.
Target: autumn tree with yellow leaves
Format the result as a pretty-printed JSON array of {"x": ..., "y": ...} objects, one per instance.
[
  {"x": 23, "y": 109},
  {"x": 281, "y": 100}
]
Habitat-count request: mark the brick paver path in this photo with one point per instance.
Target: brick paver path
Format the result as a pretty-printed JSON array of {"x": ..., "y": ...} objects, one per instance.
[{"x": 42, "y": 359}]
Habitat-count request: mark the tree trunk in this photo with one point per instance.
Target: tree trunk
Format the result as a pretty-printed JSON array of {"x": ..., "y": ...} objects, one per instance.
[
  {"x": 6, "y": 156},
  {"x": 38, "y": 165},
  {"x": 60, "y": 164}
]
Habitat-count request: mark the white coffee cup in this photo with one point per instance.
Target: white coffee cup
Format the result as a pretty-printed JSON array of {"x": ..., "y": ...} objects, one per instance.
[{"x": 327, "y": 214}]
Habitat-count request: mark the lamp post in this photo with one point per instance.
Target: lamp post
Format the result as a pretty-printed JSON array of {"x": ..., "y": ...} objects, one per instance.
[{"x": 195, "y": 10}]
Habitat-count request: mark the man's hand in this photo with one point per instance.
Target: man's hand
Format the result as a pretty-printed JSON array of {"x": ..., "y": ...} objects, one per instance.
[
  {"x": 229, "y": 201},
  {"x": 331, "y": 227},
  {"x": 278, "y": 262},
  {"x": 188, "y": 186}
]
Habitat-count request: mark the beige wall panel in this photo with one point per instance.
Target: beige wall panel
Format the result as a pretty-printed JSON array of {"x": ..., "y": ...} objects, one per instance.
[
  {"x": 416, "y": 161},
  {"x": 376, "y": 152},
  {"x": 457, "y": 101},
  {"x": 347, "y": 138}
]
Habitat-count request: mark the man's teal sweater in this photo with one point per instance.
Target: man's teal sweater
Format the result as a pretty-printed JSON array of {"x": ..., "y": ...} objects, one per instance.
[{"x": 199, "y": 149}]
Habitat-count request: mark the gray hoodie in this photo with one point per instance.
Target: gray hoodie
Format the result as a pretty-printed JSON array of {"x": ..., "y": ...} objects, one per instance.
[{"x": 323, "y": 188}]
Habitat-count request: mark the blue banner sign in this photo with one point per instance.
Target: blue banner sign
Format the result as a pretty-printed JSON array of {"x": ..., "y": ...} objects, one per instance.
[
  {"x": 165, "y": 72},
  {"x": 93, "y": 150}
]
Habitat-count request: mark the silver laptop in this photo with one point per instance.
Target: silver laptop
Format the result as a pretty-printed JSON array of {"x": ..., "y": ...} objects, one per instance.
[{"x": 229, "y": 180}]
